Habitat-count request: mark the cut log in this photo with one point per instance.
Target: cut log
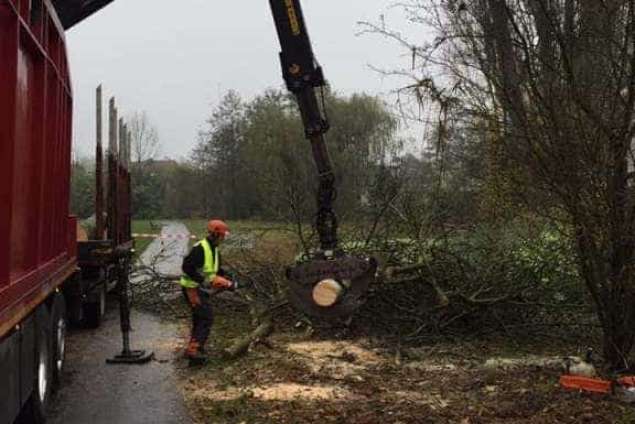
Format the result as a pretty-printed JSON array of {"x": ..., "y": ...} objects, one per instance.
[
  {"x": 327, "y": 292},
  {"x": 241, "y": 346}
]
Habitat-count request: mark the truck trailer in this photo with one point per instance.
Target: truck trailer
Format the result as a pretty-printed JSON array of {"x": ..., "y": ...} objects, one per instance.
[{"x": 47, "y": 277}]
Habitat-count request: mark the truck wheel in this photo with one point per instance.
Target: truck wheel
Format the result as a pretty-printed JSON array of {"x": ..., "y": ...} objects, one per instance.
[
  {"x": 75, "y": 310},
  {"x": 95, "y": 311},
  {"x": 58, "y": 332},
  {"x": 35, "y": 410}
]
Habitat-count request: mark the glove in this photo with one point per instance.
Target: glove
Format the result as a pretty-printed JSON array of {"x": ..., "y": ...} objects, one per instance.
[
  {"x": 219, "y": 282},
  {"x": 193, "y": 297}
]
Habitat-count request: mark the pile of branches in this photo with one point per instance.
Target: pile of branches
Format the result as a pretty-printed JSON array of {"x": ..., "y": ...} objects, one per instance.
[
  {"x": 154, "y": 290},
  {"x": 480, "y": 284},
  {"x": 477, "y": 282}
]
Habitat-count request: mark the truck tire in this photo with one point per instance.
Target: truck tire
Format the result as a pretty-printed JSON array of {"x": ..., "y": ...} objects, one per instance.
[
  {"x": 75, "y": 310},
  {"x": 94, "y": 311},
  {"x": 35, "y": 409},
  {"x": 58, "y": 333}
]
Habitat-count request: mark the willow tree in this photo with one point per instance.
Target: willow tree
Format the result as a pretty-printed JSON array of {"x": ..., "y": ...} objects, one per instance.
[{"x": 555, "y": 82}]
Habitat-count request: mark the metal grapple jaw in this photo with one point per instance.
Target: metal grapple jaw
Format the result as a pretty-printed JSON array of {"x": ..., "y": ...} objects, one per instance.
[{"x": 330, "y": 285}]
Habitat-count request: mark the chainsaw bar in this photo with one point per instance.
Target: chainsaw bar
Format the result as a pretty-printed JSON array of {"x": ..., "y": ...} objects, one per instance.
[{"x": 354, "y": 274}]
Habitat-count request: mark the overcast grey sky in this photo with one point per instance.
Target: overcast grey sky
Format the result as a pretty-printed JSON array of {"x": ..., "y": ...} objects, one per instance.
[{"x": 175, "y": 59}]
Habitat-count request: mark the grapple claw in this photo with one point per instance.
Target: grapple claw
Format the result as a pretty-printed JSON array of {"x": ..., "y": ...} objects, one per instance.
[{"x": 344, "y": 279}]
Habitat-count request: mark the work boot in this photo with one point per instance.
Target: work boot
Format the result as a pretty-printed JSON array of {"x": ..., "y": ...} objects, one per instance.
[
  {"x": 194, "y": 354},
  {"x": 197, "y": 359}
]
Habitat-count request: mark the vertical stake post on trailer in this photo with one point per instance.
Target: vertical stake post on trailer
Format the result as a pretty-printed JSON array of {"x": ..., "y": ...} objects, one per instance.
[
  {"x": 99, "y": 170},
  {"x": 121, "y": 239},
  {"x": 112, "y": 174}
]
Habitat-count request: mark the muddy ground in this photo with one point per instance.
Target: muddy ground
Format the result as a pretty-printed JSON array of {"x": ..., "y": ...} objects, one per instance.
[{"x": 298, "y": 377}]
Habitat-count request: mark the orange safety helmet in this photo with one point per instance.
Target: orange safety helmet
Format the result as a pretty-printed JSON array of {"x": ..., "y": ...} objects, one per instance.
[{"x": 218, "y": 227}]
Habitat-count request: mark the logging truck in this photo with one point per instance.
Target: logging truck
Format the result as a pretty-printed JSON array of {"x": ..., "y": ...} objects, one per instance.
[{"x": 47, "y": 276}]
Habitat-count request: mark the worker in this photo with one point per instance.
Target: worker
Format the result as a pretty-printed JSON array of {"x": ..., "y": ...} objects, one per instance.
[{"x": 202, "y": 273}]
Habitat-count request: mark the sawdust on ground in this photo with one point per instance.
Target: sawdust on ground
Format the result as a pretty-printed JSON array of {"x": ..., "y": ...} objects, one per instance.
[
  {"x": 292, "y": 391},
  {"x": 336, "y": 359},
  {"x": 303, "y": 380}
]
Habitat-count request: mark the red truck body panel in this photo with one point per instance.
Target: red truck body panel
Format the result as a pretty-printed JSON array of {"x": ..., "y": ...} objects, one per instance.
[{"x": 37, "y": 235}]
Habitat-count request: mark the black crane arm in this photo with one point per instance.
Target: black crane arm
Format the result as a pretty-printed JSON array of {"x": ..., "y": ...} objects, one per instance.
[{"x": 303, "y": 76}]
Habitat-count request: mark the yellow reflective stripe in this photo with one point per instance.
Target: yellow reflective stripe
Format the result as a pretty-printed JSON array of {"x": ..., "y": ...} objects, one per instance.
[
  {"x": 211, "y": 264},
  {"x": 188, "y": 283},
  {"x": 207, "y": 254}
]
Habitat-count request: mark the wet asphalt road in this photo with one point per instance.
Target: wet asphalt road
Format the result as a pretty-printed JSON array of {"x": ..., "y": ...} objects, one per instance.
[
  {"x": 97, "y": 393},
  {"x": 166, "y": 253}
]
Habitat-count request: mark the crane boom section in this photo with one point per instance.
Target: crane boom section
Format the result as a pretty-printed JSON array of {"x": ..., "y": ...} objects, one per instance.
[
  {"x": 298, "y": 63},
  {"x": 302, "y": 76}
]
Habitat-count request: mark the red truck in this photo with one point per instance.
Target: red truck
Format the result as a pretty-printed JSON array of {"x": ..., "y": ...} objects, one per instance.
[{"x": 46, "y": 275}]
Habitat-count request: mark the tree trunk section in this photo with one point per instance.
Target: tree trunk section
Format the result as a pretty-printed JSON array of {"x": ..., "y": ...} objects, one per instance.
[{"x": 241, "y": 346}]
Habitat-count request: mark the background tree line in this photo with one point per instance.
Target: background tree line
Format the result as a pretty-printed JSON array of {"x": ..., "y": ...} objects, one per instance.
[{"x": 252, "y": 161}]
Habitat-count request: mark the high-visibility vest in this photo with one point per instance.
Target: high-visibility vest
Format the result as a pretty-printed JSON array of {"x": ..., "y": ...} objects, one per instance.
[{"x": 209, "y": 269}]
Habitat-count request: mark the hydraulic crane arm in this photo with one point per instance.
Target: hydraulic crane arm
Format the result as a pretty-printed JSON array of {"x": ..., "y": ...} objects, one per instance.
[
  {"x": 303, "y": 76},
  {"x": 331, "y": 284}
]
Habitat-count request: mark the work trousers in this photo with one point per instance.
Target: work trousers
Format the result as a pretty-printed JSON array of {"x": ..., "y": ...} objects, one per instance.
[{"x": 202, "y": 316}]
